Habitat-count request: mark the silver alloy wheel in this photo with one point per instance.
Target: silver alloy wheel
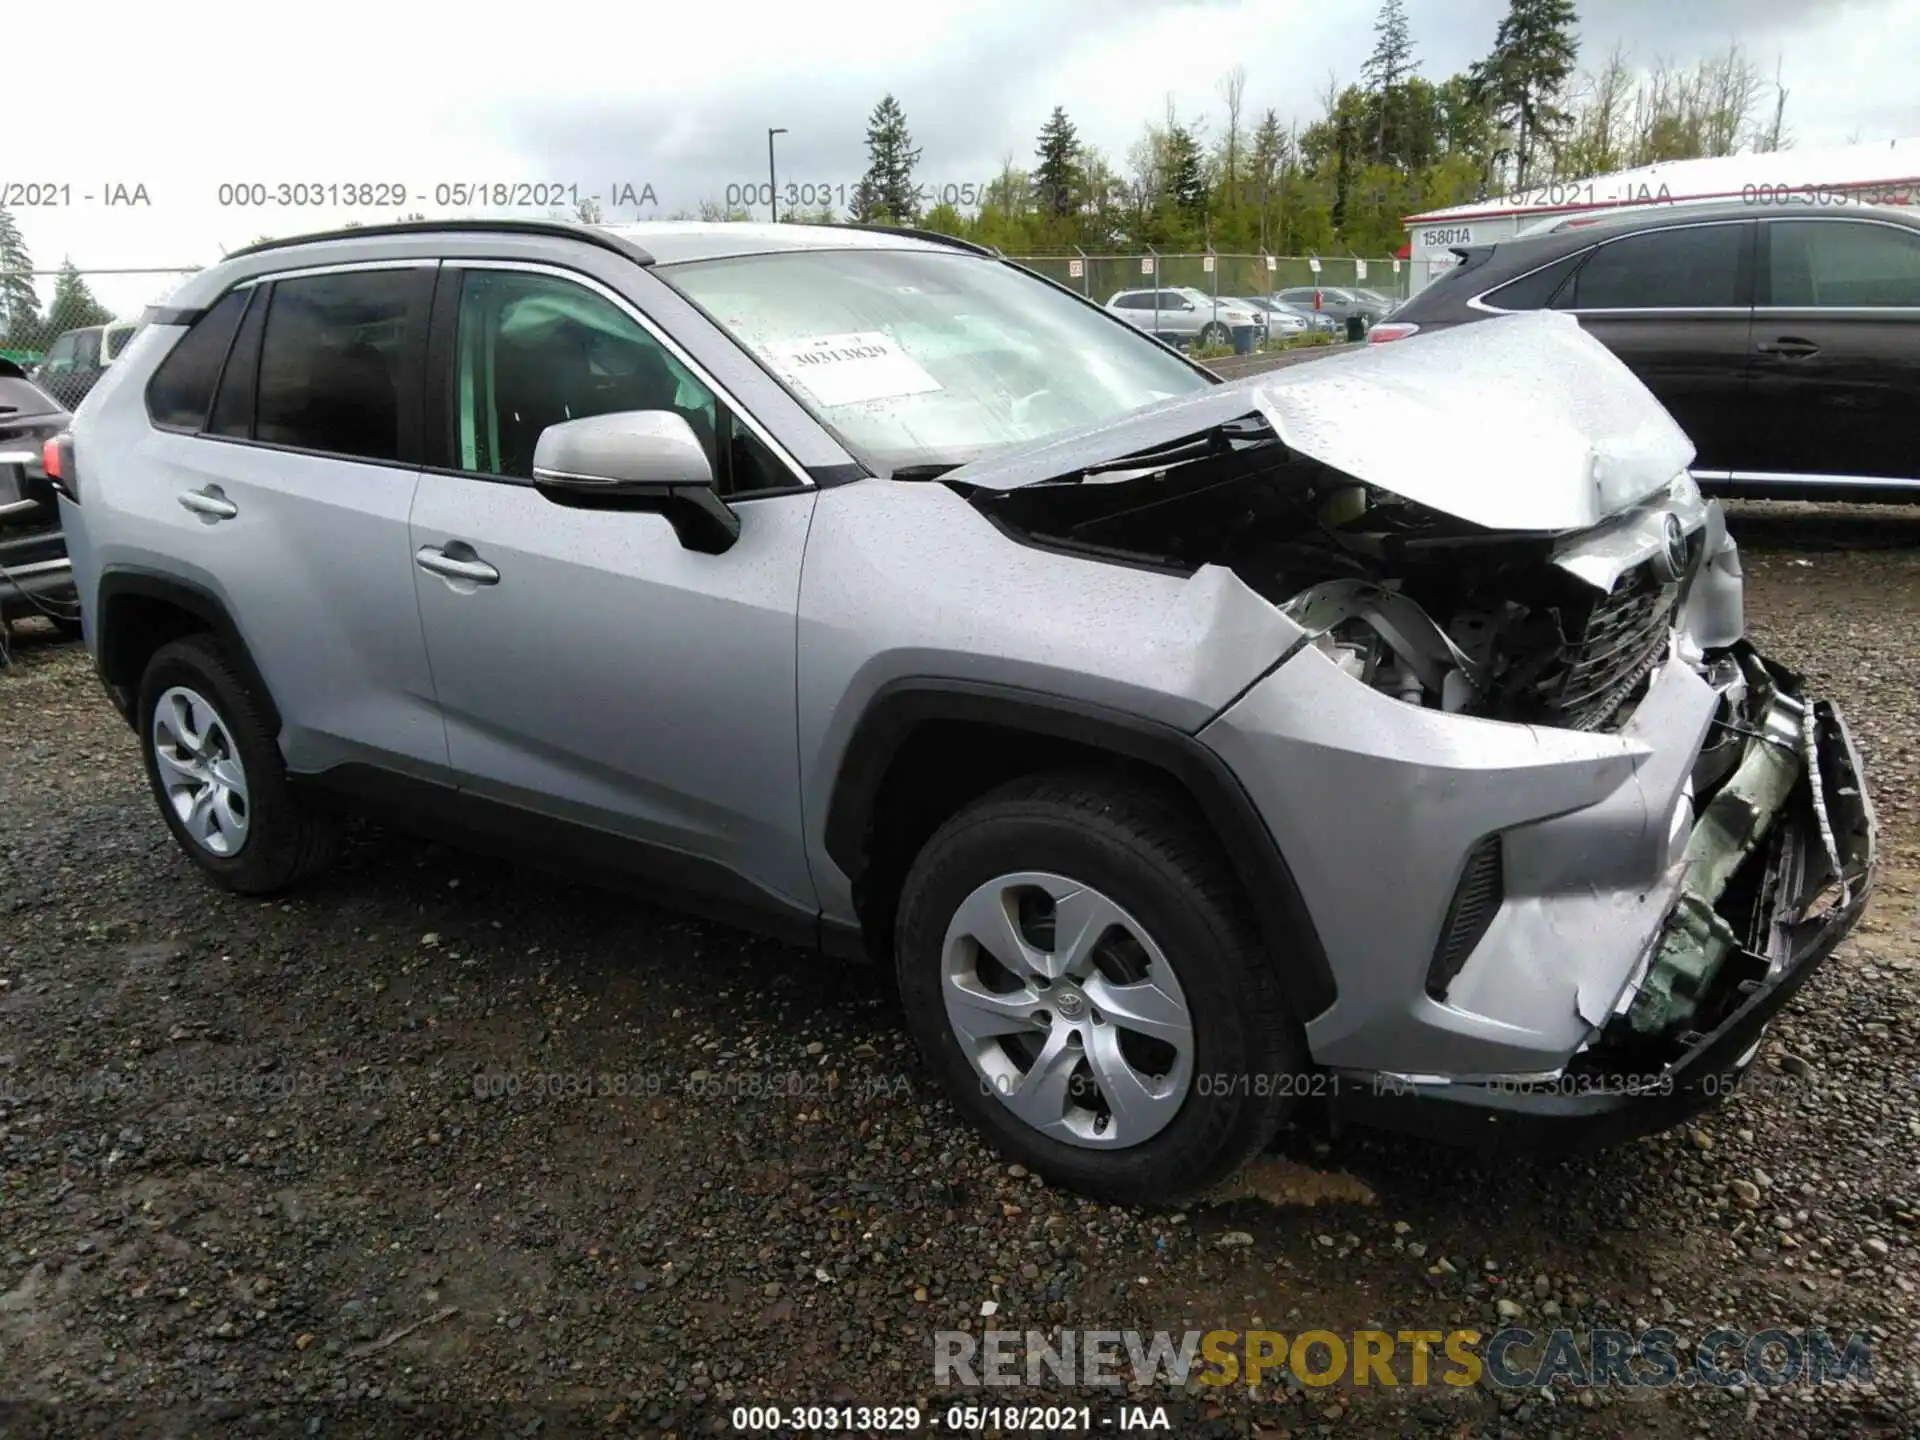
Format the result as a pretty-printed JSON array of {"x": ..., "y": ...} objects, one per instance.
[
  {"x": 200, "y": 770},
  {"x": 1067, "y": 1010}
]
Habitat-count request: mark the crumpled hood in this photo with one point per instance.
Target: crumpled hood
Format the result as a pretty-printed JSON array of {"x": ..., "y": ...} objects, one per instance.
[{"x": 1522, "y": 422}]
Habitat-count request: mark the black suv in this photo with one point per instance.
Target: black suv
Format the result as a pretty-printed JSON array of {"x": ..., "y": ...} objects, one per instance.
[
  {"x": 1784, "y": 338},
  {"x": 35, "y": 574}
]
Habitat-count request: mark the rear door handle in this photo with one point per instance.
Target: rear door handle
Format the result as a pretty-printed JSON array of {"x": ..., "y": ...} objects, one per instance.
[
  {"x": 209, "y": 503},
  {"x": 1791, "y": 346},
  {"x": 455, "y": 567}
]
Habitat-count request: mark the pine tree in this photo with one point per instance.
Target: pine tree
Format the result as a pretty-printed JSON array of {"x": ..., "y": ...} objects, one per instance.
[
  {"x": 1525, "y": 77},
  {"x": 1186, "y": 180},
  {"x": 1386, "y": 70},
  {"x": 74, "y": 307},
  {"x": 20, "y": 323},
  {"x": 886, "y": 192},
  {"x": 1265, "y": 162},
  {"x": 1057, "y": 177}
]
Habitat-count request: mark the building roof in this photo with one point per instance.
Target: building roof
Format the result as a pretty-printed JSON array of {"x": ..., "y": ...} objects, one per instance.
[{"x": 1866, "y": 172}]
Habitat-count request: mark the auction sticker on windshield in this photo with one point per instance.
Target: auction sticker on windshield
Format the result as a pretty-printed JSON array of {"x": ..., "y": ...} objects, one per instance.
[{"x": 848, "y": 369}]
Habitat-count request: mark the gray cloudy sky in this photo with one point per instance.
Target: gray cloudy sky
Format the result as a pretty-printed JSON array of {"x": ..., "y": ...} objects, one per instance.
[{"x": 680, "y": 97}]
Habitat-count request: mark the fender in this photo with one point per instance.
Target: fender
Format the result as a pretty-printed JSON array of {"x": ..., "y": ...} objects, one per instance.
[
  {"x": 898, "y": 707},
  {"x": 121, "y": 583}
]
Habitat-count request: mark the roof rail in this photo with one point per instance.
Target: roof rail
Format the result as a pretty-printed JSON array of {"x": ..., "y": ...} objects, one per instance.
[
  {"x": 932, "y": 237},
  {"x": 593, "y": 235}
]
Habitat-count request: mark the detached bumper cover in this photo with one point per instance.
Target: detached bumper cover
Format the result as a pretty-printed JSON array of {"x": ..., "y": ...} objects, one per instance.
[
  {"x": 1383, "y": 808},
  {"x": 1595, "y": 1104}
]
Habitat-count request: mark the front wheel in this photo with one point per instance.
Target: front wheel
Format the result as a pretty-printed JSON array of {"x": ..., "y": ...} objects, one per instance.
[
  {"x": 1078, "y": 967},
  {"x": 1215, "y": 334}
]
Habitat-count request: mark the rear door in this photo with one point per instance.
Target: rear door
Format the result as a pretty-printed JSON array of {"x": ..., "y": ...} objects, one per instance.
[
  {"x": 1676, "y": 304},
  {"x": 1836, "y": 341},
  {"x": 288, "y": 496}
]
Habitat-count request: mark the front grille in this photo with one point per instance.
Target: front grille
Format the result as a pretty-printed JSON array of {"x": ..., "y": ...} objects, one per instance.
[
  {"x": 1476, "y": 899},
  {"x": 1620, "y": 642}
]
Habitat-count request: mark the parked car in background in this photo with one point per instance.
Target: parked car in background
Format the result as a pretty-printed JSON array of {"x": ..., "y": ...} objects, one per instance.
[
  {"x": 1282, "y": 322},
  {"x": 1184, "y": 315},
  {"x": 1314, "y": 320},
  {"x": 77, "y": 359},
  {"x": 1785, "y": 338},
  {"x": 1338, "y": 302},
  {"x": 36, "y": 577},
  {"x": 1104, "y": 701}
]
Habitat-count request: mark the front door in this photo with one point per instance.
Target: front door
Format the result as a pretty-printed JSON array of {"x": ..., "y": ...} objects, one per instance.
[{"x": 590, "y": 667}]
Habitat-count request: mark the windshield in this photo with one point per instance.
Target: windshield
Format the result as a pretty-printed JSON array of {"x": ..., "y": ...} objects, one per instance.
[{"x": 919, "y": 358}]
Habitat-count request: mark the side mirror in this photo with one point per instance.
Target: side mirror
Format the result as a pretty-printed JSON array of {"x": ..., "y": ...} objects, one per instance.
[{"x": 637, "y": 460}]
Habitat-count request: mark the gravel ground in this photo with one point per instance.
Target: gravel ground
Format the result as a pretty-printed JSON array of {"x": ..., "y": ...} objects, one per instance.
[{"x": 259, "y": 1170}]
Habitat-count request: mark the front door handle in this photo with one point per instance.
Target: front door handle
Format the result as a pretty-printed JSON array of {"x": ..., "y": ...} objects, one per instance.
[
  {"x": 1791, "y": 346},
  {"x": 456, "y": 567},
  {"x": 209, "y": 503}
]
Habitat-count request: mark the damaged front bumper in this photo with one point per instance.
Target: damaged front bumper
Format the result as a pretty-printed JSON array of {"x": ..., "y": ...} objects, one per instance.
[
  {"x": 1623, "y": 1086},
  {"x": 1626, "y": 940}
]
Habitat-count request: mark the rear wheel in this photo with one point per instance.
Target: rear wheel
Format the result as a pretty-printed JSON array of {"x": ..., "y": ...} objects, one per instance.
[
  {"x": 1078, "y": 966},
  {"x": 215, "y": 770}
]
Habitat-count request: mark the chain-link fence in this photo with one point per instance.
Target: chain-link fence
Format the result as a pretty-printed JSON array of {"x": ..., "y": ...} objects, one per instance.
[
  {"x": 1100, "y": 276},
  {"x": 66, "y": 326}
]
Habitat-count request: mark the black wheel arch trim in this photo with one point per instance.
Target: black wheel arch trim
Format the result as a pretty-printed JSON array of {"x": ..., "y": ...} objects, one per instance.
[
  {"x": 123, "y": 582},
  {"x": 898, "y": 707}
]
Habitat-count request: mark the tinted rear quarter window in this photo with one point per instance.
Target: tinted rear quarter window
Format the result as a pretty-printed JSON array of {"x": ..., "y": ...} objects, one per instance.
[
  {"x": 339, "y": 362},
  {"x": 181, "y": 391},
  {"x": 233, "y": 407},
  {"x": 1687, "y": 268},
  {"x": 1533, "y": 291}
]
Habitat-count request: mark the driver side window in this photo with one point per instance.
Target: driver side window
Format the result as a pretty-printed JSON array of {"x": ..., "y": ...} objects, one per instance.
[{"x": 535, "y": 350}]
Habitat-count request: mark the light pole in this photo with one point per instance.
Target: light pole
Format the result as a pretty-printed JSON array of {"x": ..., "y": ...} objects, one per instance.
[{"x": 773, "y": 185}]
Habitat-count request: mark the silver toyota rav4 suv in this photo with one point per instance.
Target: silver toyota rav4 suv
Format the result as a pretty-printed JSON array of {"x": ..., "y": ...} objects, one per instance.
[{"x": 1380, "y": 731}]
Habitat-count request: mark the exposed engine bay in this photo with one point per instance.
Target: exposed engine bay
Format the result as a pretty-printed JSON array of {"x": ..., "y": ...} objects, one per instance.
[
  {"x": 1441, "y": 613},
  {"x": 1413, "y": 602}
]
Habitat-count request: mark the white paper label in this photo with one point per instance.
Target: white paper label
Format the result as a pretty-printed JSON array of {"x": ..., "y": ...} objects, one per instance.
[
  {"x": 1313, "y": 263},
  {"x": 1359, "y": 269},
  {"x": 1206, "y": 264},
  {"x": 1075, "y": 269},
  {"x": 1146, "y": 264},
  {"x": 849, "y": 369},
  {"x": 1272, "y": 263}
]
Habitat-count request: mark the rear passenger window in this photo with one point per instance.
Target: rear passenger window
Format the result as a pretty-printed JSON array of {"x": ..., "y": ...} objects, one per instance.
[
  {"x": 1842, "y": 263},
  {"x": 181, "y": 391},
  {"x": 1691, "y": 267},
  {"x": 340, "y": 362}
]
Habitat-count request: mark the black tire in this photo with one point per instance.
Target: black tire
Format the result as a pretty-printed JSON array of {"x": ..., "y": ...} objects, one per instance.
[
  {"x": 286, "y": 839},
  {"x": 1146, "y": 850},
  {"x": 1215, "y": 334}
]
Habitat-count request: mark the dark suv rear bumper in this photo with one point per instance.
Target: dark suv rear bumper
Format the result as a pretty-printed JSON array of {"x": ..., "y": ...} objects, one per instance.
[
  {"x": 1590, "y": 1106},
  {"x": 35, "y": 572}
]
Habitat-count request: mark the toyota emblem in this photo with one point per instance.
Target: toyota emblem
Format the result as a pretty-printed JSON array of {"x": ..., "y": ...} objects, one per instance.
[{"x": 1674, "y": 558}]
